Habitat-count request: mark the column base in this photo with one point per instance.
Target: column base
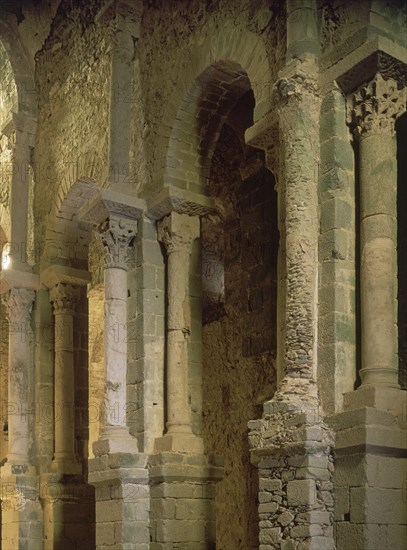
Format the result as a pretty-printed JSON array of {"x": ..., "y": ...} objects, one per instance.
[
  {"x": 179, "y": 442},
  {"x": 69, "y": 518},
  {"x": 384, "y": 376},
  {"x": 21, "y": 515},
  {"x": 115, "y": 439},
  {"x": 370, "y": 466},
  {"x": 182, "y": 500},
  {"x": 122, "y": 500}
]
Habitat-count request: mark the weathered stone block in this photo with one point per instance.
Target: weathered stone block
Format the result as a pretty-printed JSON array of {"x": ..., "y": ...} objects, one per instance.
[
  {"x": 376, "y": 505},
  {"x": 301, "y": 493}
]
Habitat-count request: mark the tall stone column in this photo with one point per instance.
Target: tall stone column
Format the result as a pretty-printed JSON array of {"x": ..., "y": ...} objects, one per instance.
[
  {"x": 290, "y": 444},
  {"x": 115, "y": 234},
  {"x": 21, "y": 510},
  {"x": 373, "y": 111},
  {"x": 180, "y": 466},
  {"x": 177, "y": 232},
  {"x": 64, "y": 298},
  {"x": 118, "y": 472},
  {"x": 18, "y": 302},
  {"x": 370, "y": 430}
]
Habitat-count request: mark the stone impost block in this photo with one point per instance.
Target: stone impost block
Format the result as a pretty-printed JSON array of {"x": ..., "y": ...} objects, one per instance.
[
  {"x": 10, "y": 278},
  {"x": 182, "y": 201},
  {"x": 53, "y": 274},
  {"x": 108, "y": 202}
]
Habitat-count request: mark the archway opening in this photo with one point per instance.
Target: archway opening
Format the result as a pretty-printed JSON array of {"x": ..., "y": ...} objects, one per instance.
[{"x": 233, "y": 284}]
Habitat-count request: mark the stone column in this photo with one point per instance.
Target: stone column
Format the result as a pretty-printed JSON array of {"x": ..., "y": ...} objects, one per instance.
[
  {"x": 290, "y": 444},
  {"x": 21, "y": 511},
  {"x": 373, "y": 111},
  {"x": 18, "y": 302},
  {"x": 299, "y": 133},
  {"x": 370, "y": 433},
  {"x": 115, "y": 234},
  {"x": 64, "y": 298},
  {"x": 179, "y": 466},
  {"x": 177, "y": 232}
]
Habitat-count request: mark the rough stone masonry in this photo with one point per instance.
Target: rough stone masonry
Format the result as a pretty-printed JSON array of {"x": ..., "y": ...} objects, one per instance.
[{"x": 203, "y": 262}]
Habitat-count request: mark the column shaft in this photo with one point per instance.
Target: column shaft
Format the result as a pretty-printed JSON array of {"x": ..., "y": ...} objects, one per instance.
[
  {"x": 19, "y": 303},
  {"x": 178, "y": 410},
  {"x": 177, "y": 232},
  {"x": 64, "y": 298},
  {"x": 378, "y": 235},
  {"x": 374, "y": 108},
  {"x": 115, "y": 345},
  {"x": 115, "y": 234},
  {"x": 299, "y": 132}
]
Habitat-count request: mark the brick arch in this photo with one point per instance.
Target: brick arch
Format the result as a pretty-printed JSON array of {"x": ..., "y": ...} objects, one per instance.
[
  {"x": 66, "y": 239},
  {"x": 216, "y": 75},
  {"x": 89, "y": 169}
]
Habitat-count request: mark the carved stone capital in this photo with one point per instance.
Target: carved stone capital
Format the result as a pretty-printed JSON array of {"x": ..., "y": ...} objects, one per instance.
[
  {"x": 375, "y": 107},
  {"x": 177, "y": 231},
  {"x": 18, "y": 303},
  {"x": 116, "y": 234},
  {"x": 294, "y": 87},
  {"x": 298, "y": 82},
  {"x": 64, "y": 298}
]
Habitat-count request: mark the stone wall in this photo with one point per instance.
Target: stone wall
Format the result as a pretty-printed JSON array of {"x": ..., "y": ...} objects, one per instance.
[
  {"x": 8, "y": 88},
  {"x": 72, "y": 75}
]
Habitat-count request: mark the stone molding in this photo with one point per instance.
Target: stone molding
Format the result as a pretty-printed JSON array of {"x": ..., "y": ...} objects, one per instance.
[
  {"x": 64, "y": 298},
  {"x": 178, "y": 231},
  {"x": 116, "y": 234},
  {"x": 18, "y": 303},
  {"x": 374, "y": 107}
]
